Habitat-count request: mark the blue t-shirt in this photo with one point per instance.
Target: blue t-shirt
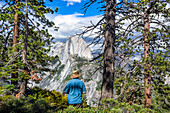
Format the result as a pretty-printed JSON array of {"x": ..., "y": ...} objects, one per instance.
[{"x": 74, "y": 89}]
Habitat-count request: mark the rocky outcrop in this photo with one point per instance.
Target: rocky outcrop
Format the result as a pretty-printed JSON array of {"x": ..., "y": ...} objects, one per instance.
[{"x": 74, "y": 47}]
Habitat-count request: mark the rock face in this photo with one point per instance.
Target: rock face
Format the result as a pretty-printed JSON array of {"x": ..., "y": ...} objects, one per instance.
[{"x": 73, "y": 47}]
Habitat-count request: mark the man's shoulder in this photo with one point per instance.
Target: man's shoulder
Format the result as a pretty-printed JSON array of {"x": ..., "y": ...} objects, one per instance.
[
  {"x": 76, "y": 80},
  {"x": 81, "y": 81},
  {"x": 70, "y": 81}
]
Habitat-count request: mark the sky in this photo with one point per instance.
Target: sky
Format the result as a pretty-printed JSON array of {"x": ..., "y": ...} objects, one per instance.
[
  {"x": 67, "y": 7},
  {"x": 70, "y": 17}
]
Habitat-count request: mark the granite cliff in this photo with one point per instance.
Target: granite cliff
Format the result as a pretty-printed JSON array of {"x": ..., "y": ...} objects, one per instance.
[{"x": 74, "y": 50}]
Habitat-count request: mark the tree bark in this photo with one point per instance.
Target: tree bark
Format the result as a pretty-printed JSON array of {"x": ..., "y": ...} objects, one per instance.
[
  {"x": 147, "y": 61},
  {"x": 26, "y": 36},
  {"x": 15, "y": 41},
  {"x": 108, "y": 70},
  {"x": 23, "y": 85}
]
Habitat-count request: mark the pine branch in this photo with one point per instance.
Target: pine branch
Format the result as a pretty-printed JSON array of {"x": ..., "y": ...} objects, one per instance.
[
  {"x": 34, "y": 24},
  {"x": 15, "y": 56},
  {"x": 6, "y": 28}
]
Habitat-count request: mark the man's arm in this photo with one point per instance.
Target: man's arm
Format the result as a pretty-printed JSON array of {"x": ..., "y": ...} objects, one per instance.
[
  {"x": 66, "y": 89},
  {"x": 84, "y": 92},
  {"x": 83, "y": 89}
]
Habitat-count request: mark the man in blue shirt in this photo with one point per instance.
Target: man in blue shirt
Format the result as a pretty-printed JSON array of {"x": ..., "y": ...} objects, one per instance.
[{"x": 75, "y": 88}]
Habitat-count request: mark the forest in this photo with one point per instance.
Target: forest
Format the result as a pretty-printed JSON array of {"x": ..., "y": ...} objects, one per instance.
[{"x": 127, "y": 73}]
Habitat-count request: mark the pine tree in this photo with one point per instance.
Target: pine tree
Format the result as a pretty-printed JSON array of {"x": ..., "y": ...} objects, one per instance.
[
  {"x": 15, "y": 38},
  {"x": 149, "y": 20},
  {"x": 115, "y": 43},
  {"x": 33, "y": 40}
]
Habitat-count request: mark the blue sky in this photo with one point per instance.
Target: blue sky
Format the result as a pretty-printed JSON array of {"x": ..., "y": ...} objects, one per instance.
[{"x": 67, "y": 7}]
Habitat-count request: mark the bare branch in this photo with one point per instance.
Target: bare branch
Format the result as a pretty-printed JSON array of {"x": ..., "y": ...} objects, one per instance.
[
  {"x": 88, "y": 4},
  {"x": 159, "y": 23},
  {"x": 6, "y": 4},
  {"x": 5, "y": 28},
  {"x": 33, "y": 24},
  {"x": 15, "y": 56},
  {"x": 96, "y": 57}
]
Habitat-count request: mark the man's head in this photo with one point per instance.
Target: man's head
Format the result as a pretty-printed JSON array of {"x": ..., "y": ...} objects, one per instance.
[{"x": 75, "y": 74}]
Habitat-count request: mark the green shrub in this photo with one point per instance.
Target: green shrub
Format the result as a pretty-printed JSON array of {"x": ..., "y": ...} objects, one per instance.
[
  {"x": 111, "y": 106},
  {"x": 39, "y": 101},
  {"x": 72, "y": 109},
  {"x": 5, "y": 97},
  {"x": 115, "y": 106},
  {"x": 54, "y": 98},
  {"x": 25, "y": 105},
  {"x": 10, "y": 104},
  {"x": 45, "y": 101}
]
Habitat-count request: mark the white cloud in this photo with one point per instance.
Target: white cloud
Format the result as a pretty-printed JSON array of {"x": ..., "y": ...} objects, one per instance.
[
  {"x": 69, "y": 25},
  {"x": 71, "y": 2}
]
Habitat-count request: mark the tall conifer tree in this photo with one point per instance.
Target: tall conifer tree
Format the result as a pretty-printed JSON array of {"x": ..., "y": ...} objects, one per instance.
[
  {"x": 31, "y": 38},
  {"x": 149, "y": 20}
]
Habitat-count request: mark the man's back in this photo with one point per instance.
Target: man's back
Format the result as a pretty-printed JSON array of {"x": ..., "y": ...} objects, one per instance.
[{"x": 75, "y": 88}]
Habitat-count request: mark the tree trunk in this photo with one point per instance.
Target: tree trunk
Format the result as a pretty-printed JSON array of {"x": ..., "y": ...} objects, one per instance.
[
  {"x": 23, "y": 85},
  {"x": 26, "y": 36},
  {"x": 15, "y": 37},
  {"x": 108, "y": 70},
  {"x": 147, "y": 61}
]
